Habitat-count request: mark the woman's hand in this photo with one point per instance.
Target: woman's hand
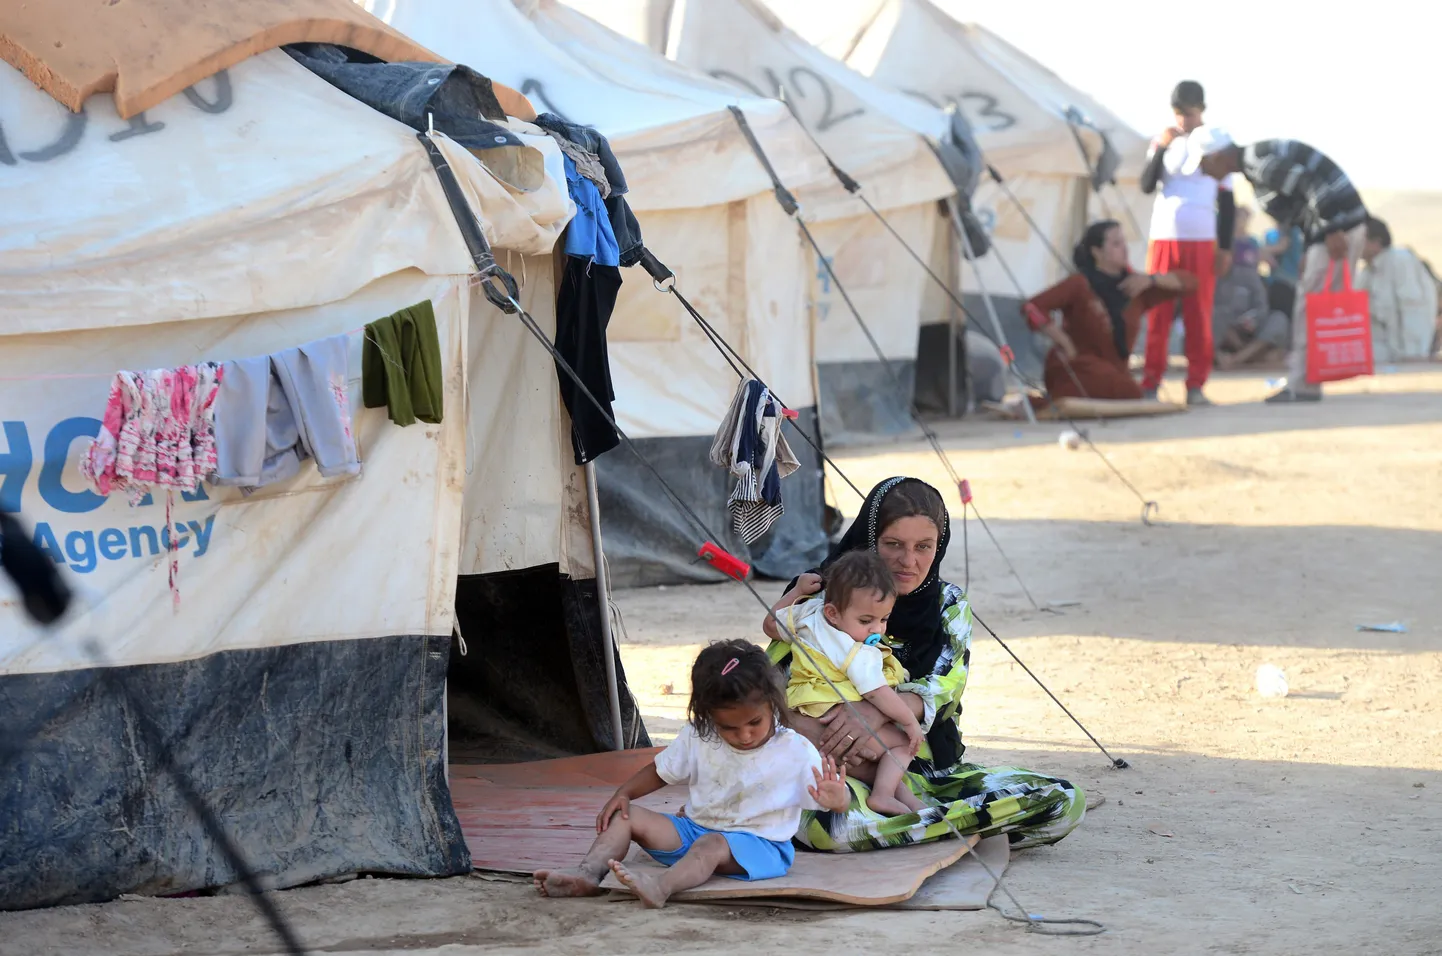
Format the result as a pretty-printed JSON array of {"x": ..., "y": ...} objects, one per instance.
[
  {"x": 1062, "y": 341},
  {"x": 1135, "y": 284},
  {"x": 619, "y": 803},
  {"x": 848, "y": 739},
  {"x": 830, "y": 791},
  {"x": 806, "y": 585},
  {"x": 1169, "y": 135}
]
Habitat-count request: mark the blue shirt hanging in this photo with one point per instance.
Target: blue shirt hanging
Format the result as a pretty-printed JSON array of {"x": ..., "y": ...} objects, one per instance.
[{"x": 589, "y": 235}]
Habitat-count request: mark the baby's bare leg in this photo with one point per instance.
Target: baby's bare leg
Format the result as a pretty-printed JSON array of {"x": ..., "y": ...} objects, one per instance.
[{"x": 889, "y": 794}]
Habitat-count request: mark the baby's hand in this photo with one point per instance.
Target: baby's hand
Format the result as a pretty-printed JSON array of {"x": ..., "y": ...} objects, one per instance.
[{"x": 914, "y": 737}]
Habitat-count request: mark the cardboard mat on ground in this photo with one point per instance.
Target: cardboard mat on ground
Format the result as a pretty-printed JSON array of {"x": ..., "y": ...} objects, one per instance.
[{"x": 518, "y": 818}]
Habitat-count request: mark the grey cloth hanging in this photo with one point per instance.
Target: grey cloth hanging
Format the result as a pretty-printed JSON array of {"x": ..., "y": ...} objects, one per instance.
[{"x": 750, "y": 445}]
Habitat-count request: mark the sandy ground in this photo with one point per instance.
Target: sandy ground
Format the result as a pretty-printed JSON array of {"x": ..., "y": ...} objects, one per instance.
[{"x": 1244, "y": 826}]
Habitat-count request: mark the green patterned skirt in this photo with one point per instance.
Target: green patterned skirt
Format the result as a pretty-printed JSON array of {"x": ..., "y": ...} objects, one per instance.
[{"x": 1031, "y": 809}]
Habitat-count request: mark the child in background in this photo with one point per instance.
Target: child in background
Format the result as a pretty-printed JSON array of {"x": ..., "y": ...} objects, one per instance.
[
  {"x": 841, "y": 629},
  {"x": 750, "y": 778}
]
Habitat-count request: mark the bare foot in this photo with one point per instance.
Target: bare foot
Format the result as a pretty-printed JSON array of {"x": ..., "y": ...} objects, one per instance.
[
  {"x": 910, "y": 800},
  {"x": 888, "y": 806},
  {"x": 559, "y": 884},
  {"x": 645, "y": 887}
]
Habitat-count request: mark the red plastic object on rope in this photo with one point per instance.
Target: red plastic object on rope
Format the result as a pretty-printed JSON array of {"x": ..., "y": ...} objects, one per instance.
[
  {"x": 964, "y": 487},
  {"x": 1007, "y": 355},
  {"x": 790, "y": 413},
  {"x": 724, "y": 561}
]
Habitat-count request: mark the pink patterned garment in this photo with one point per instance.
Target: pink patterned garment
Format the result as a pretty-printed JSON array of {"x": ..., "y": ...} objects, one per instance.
[{"x": 158, "y": 431}]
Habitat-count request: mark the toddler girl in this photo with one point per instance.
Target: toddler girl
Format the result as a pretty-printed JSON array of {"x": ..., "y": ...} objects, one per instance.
[
  {"x": 750, "y": 778},
  {"x": 841, "y": 630}
]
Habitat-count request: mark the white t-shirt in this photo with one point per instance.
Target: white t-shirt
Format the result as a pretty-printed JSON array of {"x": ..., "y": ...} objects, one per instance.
[
  {"x": 865, "y": 670},
  {"x": 1186, "y": 206},
  {"x": 761, "y": 791}
]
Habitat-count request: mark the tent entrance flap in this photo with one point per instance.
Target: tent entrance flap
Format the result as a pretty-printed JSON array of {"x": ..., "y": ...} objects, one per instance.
[{"x": 532, "y": 682}]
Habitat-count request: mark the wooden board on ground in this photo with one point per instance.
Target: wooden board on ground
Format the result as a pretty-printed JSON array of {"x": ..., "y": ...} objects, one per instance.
[
  {"x": 518, "y": 818},
  {"x": 1109, "y": 408},
  {"x": 876, "y": 878},
  {"x": 965, "y": 885}
]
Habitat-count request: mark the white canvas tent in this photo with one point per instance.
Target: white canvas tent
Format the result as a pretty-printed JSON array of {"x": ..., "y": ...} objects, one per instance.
[
  {"x": 706, "y": 209},
  {"x": 303, "y": 678},
  {"x": 878, "y": 137},
  {"x": 1043, "y": 136}
]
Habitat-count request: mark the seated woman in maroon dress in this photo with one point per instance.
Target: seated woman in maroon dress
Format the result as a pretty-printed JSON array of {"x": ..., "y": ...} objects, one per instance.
[{"x": 1101, "y": 310}]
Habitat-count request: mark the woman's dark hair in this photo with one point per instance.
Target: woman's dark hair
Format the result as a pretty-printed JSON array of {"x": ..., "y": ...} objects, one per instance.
[
  {"x": 1094, "y": 238},
  {"x": 718, "y": 682},
  {"x": 857, "y": 571},
  {"x": 911, "y": 499}
]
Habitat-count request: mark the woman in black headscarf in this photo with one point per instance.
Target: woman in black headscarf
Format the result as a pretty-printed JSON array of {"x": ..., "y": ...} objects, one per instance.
[
  {"x": 1101, "y": 307},
  {"x": 905, "y": 521}
]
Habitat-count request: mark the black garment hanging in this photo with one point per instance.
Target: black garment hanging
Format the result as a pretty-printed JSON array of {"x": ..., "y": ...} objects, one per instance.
[{"x": 584, "y": 303}]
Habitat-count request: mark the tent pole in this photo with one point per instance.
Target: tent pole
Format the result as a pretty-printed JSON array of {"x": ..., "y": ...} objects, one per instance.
[
  {"x": 953, "y": 317},
  {"x": 603, "y": 596},
  {"x": 970, "y": 254}
]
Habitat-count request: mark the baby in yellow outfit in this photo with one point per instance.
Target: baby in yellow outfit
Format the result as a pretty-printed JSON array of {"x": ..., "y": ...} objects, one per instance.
[{"x": 840, "y": 631}]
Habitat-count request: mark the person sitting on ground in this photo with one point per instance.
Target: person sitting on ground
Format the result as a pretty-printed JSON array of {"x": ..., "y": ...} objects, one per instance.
[
  {"x": 750, "y": 776},
  {"x": 1248, "y": 330},
  {"x": 1402, "y": 296},
  {"x": 1282, "y": 252},
  {"x": 1101, "y": 309},
  {"x": 841, "y": 658},
  {"x": 1295, "y": 185},
  {"x": 905, "y": 522}
]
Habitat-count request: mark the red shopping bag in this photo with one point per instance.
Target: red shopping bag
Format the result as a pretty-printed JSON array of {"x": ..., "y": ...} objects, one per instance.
[{"x": 1339, "y": 332}]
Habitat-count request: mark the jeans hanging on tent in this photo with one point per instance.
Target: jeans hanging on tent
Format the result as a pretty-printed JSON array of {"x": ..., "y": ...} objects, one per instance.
[{"x": 584, "y": 303}]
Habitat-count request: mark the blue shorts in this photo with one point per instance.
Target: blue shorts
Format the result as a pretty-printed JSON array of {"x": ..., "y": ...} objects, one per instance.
[{"x": 762, "y": 859}]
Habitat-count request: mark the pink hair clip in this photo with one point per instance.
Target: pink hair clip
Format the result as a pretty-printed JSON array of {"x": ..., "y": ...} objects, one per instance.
[{"x": 731, "y": 665}]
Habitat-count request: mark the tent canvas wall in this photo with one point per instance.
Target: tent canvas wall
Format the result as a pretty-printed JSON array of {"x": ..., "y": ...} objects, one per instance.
[
  {"x": 1042, "y": 135},
  {"x": 303, "y": 679},
  {"x": 706, "y": 210},
  {"x": 879, "y": 138}
]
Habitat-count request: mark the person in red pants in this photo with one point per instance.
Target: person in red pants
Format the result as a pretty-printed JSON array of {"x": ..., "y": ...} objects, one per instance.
[{"x": 1191, "y": 232}]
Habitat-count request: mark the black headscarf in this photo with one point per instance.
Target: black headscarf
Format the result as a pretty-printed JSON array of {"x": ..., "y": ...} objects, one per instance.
[
  {"x": 916, "y": 625},
  {"x": 1109, "y": 289}
]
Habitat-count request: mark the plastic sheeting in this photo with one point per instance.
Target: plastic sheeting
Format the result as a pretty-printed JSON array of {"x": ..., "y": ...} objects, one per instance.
[
  {"x": 320, "y": 759},
  {"x": 525, "y": 499},
  {"x": 877, "y": 136},
  {"x": 672, "y": 131},
  {"x": 262, "y": 189},
  {"x": 743, "y": 268},
  {"x": 334, "y": 557}
]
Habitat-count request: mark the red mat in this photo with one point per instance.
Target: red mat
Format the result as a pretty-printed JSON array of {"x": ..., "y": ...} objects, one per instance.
[
  {"x": 522, "y": 817},
  {"x": 518, "y": 818}
]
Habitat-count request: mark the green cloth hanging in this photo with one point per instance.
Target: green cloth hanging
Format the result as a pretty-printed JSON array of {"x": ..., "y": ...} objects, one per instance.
[{"x": 401, "y": 366}]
